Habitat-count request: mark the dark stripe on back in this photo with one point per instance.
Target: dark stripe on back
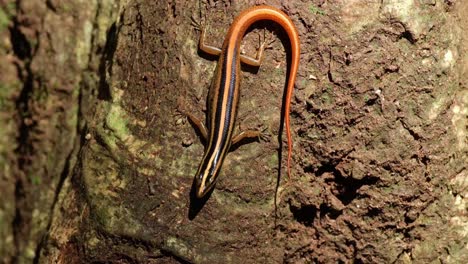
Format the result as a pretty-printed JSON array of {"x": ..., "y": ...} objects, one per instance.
[{"x": 216, "y": 130}]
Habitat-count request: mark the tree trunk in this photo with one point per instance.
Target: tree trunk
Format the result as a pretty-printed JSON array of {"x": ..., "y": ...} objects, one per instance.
[{"x": 97, "y": 164}]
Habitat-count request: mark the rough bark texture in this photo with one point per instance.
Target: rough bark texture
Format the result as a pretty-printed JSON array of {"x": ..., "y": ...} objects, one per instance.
[{"x": 97, "y": 166}]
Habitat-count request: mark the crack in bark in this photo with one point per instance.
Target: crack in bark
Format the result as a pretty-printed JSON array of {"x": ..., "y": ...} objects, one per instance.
[{"x": 23, "y": 51}]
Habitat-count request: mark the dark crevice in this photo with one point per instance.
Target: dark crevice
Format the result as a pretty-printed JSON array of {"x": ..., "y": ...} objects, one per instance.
[
  {"x": 105, "y": 66},
  {"x": 50, "y": 5},
  {"x": 18, "y": 220},
  {"x": 344, "y": 188},
  {"x": 330, "y": 78},
  {"x": 415, "y": 135},
  {"x": 329, "y": 72},
  {"x": 373, "y": 212},
  {"x": 350, "y": 187},
  {"x": 106, "y": 60},
  {"x": 408, "y": 36},
  {"x": 311, "y": 109},
  {"x": 372, "y": 101},
  {"x": 332, "y": 213},
  {"x": 309, "y": 168},
  {"x": 348, "y": 59},
  {"x": 304, "y": 214},
  {"x": 23, "y": 51},
  {"x": 327, "y": 167},
  {"x": 21, "y": 46},
  {"x": 425, "y": 160},
  {"x": 356, "y": 260}
]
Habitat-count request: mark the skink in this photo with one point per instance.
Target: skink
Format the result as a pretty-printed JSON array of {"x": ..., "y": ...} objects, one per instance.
[{"x": 224, "y": 93}]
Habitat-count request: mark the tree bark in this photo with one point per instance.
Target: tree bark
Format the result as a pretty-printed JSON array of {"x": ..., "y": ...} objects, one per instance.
[{"x": 97, "y": 165}]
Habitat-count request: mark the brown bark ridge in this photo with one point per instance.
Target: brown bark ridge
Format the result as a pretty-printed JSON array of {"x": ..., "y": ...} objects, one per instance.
[{"x": 96, "y": 165}]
